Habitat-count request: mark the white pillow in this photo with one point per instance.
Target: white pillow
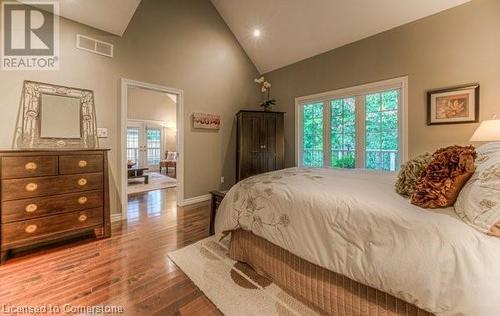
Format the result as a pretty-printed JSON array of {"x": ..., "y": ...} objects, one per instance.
[
  {"x": 478, "y": 204},
  {"x": 488, "y": 149}
]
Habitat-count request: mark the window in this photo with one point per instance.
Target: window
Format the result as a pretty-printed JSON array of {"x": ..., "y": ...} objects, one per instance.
[
  {"x": 359, "y": 127},
  {"x": 133, "y": 144},
  {"x": 343, "y": 133},
  {"x": 153, "y": 145},
  {"x": 313, "y": 135}
]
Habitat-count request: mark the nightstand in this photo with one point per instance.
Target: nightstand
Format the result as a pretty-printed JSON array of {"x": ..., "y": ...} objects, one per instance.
[{"x": 217, "y": 197}]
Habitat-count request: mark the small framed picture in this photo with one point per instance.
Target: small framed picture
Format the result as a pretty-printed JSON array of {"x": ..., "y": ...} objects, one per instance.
[
  {"x": 453, "y": 105},
  {"x": 206, "y": 121}
]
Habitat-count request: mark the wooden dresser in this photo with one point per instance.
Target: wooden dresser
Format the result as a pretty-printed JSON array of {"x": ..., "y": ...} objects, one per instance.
[
  {"x": 260, "y": 143},
  {"x": 52, "y": 195}
]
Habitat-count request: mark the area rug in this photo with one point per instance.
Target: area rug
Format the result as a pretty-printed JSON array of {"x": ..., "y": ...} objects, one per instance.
[
  {"x": 233, "y": 287},
  {"x": 157, "y": 181}
]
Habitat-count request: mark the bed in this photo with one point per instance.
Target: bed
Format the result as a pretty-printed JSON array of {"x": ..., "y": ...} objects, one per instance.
[{"x": 343, "y": 242}]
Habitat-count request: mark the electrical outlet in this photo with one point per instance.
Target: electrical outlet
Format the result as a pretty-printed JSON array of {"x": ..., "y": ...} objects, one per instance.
[
  {"x": 222, "y": 180},
  {"x": 102, "y": 132}
]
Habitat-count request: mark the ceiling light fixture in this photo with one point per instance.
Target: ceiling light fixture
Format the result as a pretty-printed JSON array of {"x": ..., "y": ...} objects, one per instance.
[{"x": 256, "y": 33}]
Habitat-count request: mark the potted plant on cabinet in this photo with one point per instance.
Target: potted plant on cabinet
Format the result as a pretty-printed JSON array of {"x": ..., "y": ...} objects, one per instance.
[{"x": 265, "y": 88}]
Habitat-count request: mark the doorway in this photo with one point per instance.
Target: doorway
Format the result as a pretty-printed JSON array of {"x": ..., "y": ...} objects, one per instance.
[{"x": 151, "y": 140}]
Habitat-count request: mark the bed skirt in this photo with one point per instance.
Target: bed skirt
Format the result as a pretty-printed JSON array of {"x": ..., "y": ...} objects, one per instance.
[{"x": 322, "y": 290}]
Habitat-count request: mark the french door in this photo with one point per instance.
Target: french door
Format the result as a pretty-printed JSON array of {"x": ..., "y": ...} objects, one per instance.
[{"x": 145, "y": 144}]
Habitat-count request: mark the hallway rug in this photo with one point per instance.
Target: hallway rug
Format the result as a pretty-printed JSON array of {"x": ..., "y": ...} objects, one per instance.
[{"x": 157, "y": 181}]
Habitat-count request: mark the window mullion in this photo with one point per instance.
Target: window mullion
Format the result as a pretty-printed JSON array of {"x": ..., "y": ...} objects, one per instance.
[
  {"x": 327, "y": 120},
  {"x": 360, "y": 131}
]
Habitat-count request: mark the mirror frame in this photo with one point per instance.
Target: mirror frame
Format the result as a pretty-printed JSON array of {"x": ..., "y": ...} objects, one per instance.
[{"x": 31, "y": 103}]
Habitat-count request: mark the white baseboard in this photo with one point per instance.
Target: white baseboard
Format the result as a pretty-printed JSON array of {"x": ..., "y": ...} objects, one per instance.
[
  {"x": 116, "y": 217},
  {"x": 196, "y": 199}
]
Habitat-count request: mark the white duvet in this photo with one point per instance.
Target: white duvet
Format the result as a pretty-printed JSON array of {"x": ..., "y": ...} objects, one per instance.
[{"x": 353, "y": 223}]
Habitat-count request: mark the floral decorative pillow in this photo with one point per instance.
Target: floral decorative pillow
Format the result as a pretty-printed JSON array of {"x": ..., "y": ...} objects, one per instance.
[
  {"x": 440, "y": 184},
  {"x": 478, "y": 203}
]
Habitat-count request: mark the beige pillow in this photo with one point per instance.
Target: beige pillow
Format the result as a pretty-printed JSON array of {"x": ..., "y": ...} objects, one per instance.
[
  {"x": 410, "y": 173},
  {"x": 440, "y": 184},
  {"x": 478, "y": 203}
]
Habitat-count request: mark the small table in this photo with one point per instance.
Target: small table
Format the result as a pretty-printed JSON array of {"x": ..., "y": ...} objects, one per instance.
[
  {"x": 217, "y": 197},
  {"x": 138, "y": 173}
]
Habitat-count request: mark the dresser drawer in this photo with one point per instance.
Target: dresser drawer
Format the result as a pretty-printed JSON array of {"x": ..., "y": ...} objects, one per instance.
[
  {"x": 45, "y": 227},
  {"x": 33, "y": 187},
  {"x": 80, "y": 164},
  {"x": 26, "y": 167},
  {"x": 13, "y": 211}
]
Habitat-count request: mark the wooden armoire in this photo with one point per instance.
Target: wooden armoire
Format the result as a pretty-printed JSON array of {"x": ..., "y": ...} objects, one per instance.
[{"x": 260, "y": 143}]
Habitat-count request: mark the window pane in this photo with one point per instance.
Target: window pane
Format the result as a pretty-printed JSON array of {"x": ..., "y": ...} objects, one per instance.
[
  {"x": 133, "y": 144},
  {"x": 153, "y": 145},
  {"x": 382, "y": 130},
  {"x": 343, "y": 133},
  {"x": 372, "y": 103},
  {"x": 390, "y": 100},
  {"x": 312, "y": 145}
]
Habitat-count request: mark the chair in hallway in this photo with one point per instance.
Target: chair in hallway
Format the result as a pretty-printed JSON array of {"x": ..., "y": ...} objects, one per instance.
[{"x": 170, "y": 161}]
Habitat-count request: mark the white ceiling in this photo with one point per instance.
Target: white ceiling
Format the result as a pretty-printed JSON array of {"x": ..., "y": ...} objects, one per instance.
[
  {"x": 293, "y": 30},
  {"x": 112, "y": 16}
]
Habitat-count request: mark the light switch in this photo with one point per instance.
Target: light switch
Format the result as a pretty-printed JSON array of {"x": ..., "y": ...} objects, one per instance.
[{"x": 102, "y": 132}]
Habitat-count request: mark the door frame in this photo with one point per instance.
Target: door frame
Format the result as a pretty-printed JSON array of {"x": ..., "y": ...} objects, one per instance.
[{"x": 125, "y": 85}]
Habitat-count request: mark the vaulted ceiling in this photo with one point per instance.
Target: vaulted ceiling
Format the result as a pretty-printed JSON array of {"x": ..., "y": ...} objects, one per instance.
[
  {"x": 293, "y": 30},
  {"x": 290, "y": 30},
  {"x": 112, "y": 16}
]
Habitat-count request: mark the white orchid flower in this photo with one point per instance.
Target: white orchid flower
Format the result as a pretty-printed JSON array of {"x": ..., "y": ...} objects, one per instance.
[
  {"x": 263, "y": 89},
  {"x": 259, "y": 80},
  {"x": 267, "y": 84}
]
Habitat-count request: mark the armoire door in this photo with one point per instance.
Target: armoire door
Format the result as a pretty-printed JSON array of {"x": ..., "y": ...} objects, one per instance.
[
  {"x": 268, "y": 144},
  {"x": 250, "y": 146}
]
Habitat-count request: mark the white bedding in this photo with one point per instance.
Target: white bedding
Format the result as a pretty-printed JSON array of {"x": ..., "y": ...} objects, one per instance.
[{"x": 353, "y": 223}]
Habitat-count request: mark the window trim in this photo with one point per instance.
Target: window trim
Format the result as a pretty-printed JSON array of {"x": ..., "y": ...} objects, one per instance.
[{"x": 355, "y": 91}]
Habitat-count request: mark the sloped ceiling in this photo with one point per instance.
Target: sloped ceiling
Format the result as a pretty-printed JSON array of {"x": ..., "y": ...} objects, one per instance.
[
  {"x": 293, "y": 30},
  {"x": 112, "y": 16}
]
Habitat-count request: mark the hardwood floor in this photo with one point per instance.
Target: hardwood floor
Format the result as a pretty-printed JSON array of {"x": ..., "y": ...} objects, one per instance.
[{"x": 130, "y": 270}]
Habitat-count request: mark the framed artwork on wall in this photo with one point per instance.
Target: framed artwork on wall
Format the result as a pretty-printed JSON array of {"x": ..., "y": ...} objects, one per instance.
[
  {"x": 453, "y": 105},
  {"x": 206, "y": 121}
]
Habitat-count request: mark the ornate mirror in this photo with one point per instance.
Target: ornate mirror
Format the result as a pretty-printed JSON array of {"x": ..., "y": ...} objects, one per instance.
[{"x": 57, "y": 117}]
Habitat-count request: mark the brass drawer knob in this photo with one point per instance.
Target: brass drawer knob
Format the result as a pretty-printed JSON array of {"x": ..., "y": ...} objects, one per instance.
[
  {"x": 82, "y": 218},
  {"x": 31, "y": 187},
  {"x": 30, "y": 229},
  {"x": 31, "y": 208},
  {"x": 82, "y": 182},
  {"x": 82, "y": 163},
  {"x": 30, "y": 166},
  {"x": 82, "y": 200}
]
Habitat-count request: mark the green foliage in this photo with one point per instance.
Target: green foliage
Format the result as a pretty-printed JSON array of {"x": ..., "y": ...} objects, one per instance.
[
  {"x": 346, "y": 160},
  {"x": 313, "y": 135}
]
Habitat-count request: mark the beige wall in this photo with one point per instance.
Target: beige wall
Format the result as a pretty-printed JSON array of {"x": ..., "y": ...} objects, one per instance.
[
  {"x": 176, "y": 43},
  {"x": 77, "y": 69},
  {"x": 186, "y": 45},
  {"x": 457, "y": 46},
  {"x": 151, "y": 105}
]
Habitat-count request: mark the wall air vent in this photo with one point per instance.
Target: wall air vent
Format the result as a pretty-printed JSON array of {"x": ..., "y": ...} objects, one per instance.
[{"x": 94, "y": 46}]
